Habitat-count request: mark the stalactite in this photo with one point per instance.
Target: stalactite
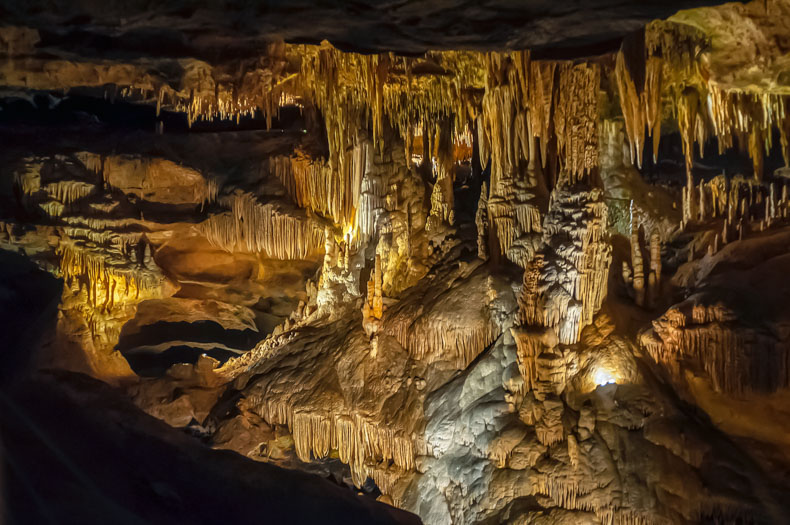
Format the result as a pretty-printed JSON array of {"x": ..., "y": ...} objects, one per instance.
[
  {"x": 107, "y": 281},
  {"x": 256, "y": 228},
  {"x": 687, "y": 107},
  {"x": 504, "y": 126},
  {"x": 69, "y": 191},
  {"x": 361, "y": 444},
  {"x": 52, "y": 208},
  {"x": 639, "y": 85},
  {"x": 207, "y": 92},
  {"x": 346, "y": 200},
  {"x": 541, "y": 96},
  {"x": 736, "y": 359},
  {"x": 507, "y": 137},
  {"x": 576, "y": 119},
  {"x": 434, "y": 341}
]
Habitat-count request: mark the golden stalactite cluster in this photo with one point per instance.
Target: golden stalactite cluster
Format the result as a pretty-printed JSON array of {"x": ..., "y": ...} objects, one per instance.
[
  {"x": 53, "y": 197},
  {"x": 213, "y": 92},
  {"x": 547, "y": 101},
  {"x": 105, "y": 284},
  {"x": 659, "y": 63},
  {"x": 103, "y": 288},
  {"x": 641, "y": 105},
  {"x": 202, "y": 92},
  {"x": 253, "y": 227},
  {"x": 361, "y": 444},
  {"x": 666, "y": 70},
  {"x": 503, "y": 126},
  {"x": 576, "y": 119},
  {"x": 735, "y": 119},
  {"x": 428, "y": 95},
  {"x": 736, "y": 359},
  {"x": 313, "y": 184},
  {"x": 403, "y": 92}
]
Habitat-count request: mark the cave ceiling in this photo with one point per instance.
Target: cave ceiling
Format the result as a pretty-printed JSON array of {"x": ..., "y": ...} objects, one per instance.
[{"x": 468, "y": 262}]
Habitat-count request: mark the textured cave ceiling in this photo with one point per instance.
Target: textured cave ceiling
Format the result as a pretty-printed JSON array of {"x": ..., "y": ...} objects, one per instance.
[
  {"x": 387, "y": 262},
  {"x": 223, "y": 29}
]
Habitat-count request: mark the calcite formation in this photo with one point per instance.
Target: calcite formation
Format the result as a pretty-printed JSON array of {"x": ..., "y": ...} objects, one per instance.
[{"x": 459, "y": 281}]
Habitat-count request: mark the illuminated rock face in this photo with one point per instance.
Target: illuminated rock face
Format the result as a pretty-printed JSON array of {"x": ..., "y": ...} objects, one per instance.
[{"x": 483, "y": 286}]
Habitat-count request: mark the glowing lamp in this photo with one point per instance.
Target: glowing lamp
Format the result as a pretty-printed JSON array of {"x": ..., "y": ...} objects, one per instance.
[
  {"x": 601, "y": 376},
  {"x": 348, "y": 232}
]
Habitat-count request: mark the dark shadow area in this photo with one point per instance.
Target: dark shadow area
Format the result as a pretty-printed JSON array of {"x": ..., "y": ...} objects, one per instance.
[
  {"x": 76, "y": 451},
  {"x": 220, "y": 29},
  {"x": 87, "y": 106},
  {"x": 198, "y": 332},
  {"x": 151, "y": 362},
  {"x": 670, "y": 167},
  {"x": 28, "y": 308}
]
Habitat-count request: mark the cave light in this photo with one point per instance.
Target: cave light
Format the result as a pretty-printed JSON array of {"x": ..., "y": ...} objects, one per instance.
[{"x": 601, "y": 376}]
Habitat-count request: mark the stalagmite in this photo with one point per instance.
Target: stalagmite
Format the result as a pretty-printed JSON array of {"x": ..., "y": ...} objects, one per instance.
[
  {"x": 529, "y": 304},
  {"x": 374, "y": 307},
  {"x": 442, "y": 200},
  {"x": 725, "y": 232},
  {"x": 636, "y": 261},
  {"x": 481, "y": 221},
  {"x": 654, "y": 281}
]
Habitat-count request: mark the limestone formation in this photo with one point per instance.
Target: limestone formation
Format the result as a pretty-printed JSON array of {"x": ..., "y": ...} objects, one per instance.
[{"x": 457, "y": 280}]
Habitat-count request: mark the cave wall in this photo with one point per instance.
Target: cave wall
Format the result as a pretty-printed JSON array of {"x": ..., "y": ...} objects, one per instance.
[{"x": 480, "y": 284}]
